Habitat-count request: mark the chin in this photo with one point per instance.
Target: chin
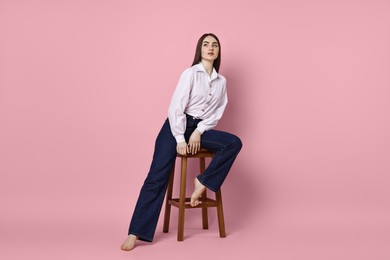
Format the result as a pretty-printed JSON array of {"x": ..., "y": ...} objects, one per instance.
[{"x": 210, "y": 59}]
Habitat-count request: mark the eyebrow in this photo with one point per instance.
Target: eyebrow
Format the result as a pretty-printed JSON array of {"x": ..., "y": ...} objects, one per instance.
[{"x": 208, "y": 42}]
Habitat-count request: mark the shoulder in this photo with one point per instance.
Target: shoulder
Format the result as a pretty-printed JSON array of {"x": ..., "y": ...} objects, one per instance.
[
  {"x": 222, "y": 77},
  {"x": 221, "y": 80},
  {"x": 188, "y": 72}
]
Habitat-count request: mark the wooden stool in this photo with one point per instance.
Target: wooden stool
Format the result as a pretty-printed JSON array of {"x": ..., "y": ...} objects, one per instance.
[{"x": 183, "y": 203}]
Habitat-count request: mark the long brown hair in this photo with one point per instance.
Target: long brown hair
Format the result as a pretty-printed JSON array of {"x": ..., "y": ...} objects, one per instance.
[{"x": 198, "y": 52}]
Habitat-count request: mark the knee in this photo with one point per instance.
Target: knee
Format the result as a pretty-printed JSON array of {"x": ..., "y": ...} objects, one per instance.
[{"x": 236, "y": 143}]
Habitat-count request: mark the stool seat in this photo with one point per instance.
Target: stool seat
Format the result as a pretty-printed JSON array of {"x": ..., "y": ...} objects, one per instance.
[
  {"x": 182, "y": 202},
  {"x": 202, "y": 153}
]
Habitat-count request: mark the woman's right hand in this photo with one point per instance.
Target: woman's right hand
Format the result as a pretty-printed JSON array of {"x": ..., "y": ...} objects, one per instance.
[{"x": 181, "y": 148}]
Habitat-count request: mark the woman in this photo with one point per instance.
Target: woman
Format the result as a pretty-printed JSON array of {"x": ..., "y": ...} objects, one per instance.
[{"x": 196, "y": 106}]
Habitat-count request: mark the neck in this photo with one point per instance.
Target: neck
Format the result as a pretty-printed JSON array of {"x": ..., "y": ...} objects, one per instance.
[{"x": 208, "y": 65}]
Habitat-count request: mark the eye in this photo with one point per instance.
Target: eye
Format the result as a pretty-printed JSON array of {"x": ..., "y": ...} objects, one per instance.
[{"x": 204, "y": 44}]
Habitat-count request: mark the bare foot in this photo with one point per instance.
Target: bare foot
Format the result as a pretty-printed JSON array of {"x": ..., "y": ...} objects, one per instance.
[
  {"x": 129, "y": 244},
  {"x": 199, "y": 189}
]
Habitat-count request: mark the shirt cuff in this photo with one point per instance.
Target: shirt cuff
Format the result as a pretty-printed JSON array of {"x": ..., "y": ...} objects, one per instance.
[
  {"x": 201, "y": 129},
  {"x": 180, "y": 138}
]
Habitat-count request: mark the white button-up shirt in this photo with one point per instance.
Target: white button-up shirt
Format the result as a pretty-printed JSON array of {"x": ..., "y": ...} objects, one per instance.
[{"x": 199, "y": 95}]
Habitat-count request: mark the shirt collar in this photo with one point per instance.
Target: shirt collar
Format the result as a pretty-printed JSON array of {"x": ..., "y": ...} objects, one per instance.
[{"x": 200, "y": 67}]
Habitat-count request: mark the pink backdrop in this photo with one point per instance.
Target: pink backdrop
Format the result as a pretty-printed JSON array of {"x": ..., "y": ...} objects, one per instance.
[{"x": 85, "y": 87}]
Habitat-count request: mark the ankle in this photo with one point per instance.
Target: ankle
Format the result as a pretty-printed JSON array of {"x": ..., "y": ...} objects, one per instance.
[{"x": 133, "y": 237}]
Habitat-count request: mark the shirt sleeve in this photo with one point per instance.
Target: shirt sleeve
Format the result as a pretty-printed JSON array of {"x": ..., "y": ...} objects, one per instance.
[
  {"x": 212, "y": 121},
  {"x": 180, "y": 98}
]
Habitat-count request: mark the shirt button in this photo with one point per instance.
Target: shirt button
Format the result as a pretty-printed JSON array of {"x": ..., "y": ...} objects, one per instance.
[
  {"x": 202, "y": 110},
  {"x": 210, "y": 94}
]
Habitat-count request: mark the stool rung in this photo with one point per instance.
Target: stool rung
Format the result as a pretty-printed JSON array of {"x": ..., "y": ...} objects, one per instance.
[{"x": 208, "y": 203}]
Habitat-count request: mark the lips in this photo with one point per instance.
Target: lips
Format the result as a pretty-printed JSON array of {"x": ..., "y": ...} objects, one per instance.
[{"x": 211, "y": 53}]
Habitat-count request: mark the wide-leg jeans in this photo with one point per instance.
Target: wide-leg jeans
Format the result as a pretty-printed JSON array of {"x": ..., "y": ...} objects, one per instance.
[{"x": 147, "y": 210}]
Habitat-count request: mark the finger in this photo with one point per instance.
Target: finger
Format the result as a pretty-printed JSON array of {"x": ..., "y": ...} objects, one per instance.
[
  {"x": 194, "y": 148},
  {"x": 197, "y": 147}
]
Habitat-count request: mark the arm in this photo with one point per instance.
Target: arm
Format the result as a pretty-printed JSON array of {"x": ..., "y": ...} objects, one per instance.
[
  {"x": 212, "y": 121},
  {"x": 206, "y": 124},
  {"x": 176, "y": 116}
]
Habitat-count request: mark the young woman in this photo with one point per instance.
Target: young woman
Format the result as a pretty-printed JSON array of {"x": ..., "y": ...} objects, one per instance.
[{"x": 196, "y": 106}]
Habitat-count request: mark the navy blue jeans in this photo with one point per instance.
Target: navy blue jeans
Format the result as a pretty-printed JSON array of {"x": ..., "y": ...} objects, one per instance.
[{"x": 147, "y": 210}]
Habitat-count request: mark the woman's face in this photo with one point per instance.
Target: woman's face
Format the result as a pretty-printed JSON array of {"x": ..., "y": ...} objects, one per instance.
[{"x": 210, "y": 49}]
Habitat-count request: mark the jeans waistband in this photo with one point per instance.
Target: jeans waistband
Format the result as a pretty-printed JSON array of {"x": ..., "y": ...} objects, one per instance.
[{"x": 193, "y": 117}]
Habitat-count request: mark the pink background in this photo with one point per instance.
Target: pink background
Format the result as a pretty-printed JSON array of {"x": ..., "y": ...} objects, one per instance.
[{"x": 85, "y": 87}]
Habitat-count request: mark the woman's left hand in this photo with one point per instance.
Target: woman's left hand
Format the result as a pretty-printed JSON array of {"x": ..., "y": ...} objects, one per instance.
[{"x": 194, "y": 142}]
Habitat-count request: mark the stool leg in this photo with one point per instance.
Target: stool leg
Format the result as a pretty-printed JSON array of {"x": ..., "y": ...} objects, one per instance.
[
  {"x": 167, "y": 214},
  {"x": 221, "y": 220},
  {"x": 182, "y": 199},
  {"x": 205, "y": 220}
]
